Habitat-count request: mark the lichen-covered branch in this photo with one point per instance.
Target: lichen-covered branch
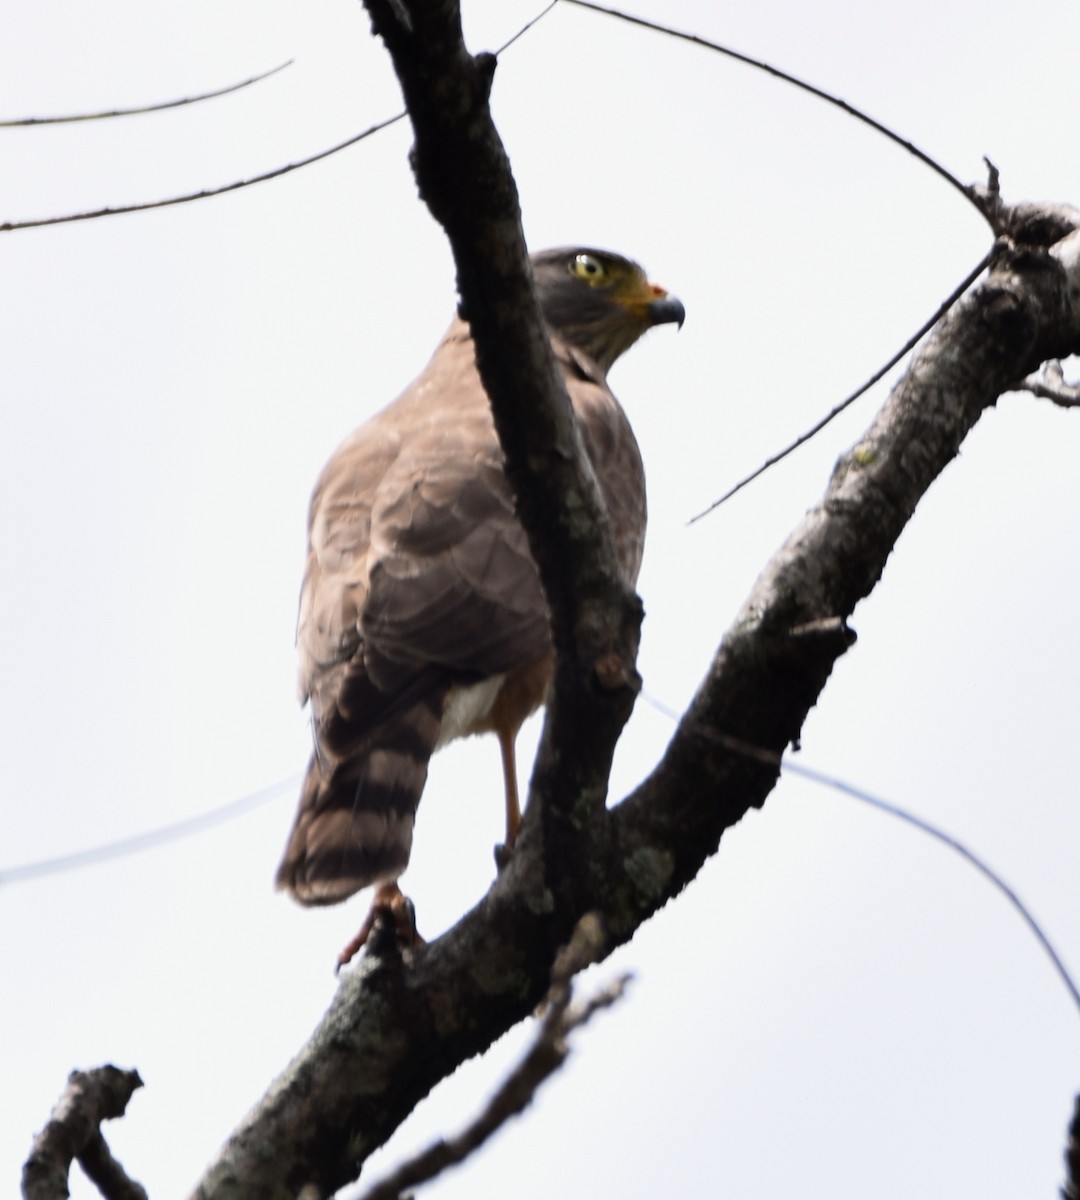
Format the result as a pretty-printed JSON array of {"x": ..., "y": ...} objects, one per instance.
[
  {"x": 73, "y": 1132},
  {"x": 774, "y": 661},
  {"x": 464, "y": 177},
  {"x": 404, "y": 1020},
  {"x": 1071, "y": 1190},
  {"x": 549, "y": 1050}
]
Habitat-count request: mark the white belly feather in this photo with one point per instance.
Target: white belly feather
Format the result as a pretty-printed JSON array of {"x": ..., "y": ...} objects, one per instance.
[{"x": 466, "y": 707}]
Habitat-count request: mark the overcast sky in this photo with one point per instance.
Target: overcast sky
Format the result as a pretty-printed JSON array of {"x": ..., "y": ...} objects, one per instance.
[{"x": 837, "y": 1006}]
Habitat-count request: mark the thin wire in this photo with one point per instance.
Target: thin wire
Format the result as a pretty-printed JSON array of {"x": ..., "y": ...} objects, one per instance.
[
  {"x": 236, "y": 808},
  {"x": 828, "y": 97},
  {"x": 946, "y": 839},
  {"x": 848, "y": 789},
  {"x": 151, "y": 838},
  {"x": 910, "y": 344},
  {"x": 206, "y": 193},
  {"x": 525, "y": 28},
  {"x": 148, "y": 108},
  {"x": 8, "y": 226},
  {"x": 859, "y": 115}
]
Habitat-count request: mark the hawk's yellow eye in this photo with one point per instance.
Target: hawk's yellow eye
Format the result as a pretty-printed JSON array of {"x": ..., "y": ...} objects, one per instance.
[{"x": 586, "y": 267}]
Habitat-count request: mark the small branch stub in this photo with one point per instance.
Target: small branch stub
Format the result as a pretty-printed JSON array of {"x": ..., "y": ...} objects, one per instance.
[{"x": 1049, "y": 384}]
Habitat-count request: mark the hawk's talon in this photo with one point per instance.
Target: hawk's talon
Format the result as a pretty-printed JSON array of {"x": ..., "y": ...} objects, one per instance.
[{"x": 391, "y": 922}]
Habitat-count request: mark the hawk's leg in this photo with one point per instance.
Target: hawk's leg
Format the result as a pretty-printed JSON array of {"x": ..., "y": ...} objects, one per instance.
[
  {"x": 513, "y": 804},
  {"x": 395, "y": 910},
  {"x": 521, "y": 694}
]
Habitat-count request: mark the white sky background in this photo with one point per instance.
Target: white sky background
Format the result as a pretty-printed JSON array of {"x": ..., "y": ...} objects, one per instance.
[{"x": 837, "y": 1005}]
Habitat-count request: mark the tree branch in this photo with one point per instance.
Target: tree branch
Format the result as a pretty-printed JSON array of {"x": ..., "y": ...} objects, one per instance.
[
  {"x": 73, "y": 1132},
  {"x": 1071, "y": 1190},
  {"x": 764, "y": 679},
  {"x": 404, "y": 1020},
  {"x": 596, "y": 617},
  {"x": 545, "y": 1056}
]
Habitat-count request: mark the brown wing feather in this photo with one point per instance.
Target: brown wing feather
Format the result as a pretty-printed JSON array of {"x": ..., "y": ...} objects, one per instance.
[{"x": 419, "y": 577}]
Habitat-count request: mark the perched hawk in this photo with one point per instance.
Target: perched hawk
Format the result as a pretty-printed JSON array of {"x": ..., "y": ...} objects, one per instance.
[{"x": 422, "y": 618}]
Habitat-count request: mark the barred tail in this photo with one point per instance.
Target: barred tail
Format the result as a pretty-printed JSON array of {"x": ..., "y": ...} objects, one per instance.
[{"x": 354, "y": 825}]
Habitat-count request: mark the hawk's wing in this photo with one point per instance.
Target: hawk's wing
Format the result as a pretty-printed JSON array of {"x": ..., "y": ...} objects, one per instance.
[
  {"x": 419, "y": 577},
  {"x": 418, "y": 571}
]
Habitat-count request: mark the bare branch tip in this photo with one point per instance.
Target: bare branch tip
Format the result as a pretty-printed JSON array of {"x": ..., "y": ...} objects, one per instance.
[
  {"x": 146, "y": 108},
  {"x": 1050, "y": 384}
]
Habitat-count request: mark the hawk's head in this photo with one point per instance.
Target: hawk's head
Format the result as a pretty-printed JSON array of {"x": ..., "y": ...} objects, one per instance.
[{"x": 598, "y": 301}]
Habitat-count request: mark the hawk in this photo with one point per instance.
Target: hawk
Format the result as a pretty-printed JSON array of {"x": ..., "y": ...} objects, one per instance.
[{"x": 422, "y": 618}]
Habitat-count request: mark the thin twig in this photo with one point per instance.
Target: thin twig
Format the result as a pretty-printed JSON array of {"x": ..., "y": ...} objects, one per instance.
[
  {"x": 8, "y": 226},
  {"x": 546, "y": 1055},
  {"x": 910, "y": 344},
  {"x": 525, "y": 28},
  {"x": 206, "y": 193},
  {"x": 761, "y": 754},
  {"x": 146, "y": 108},
  {"x": 828, "y": 97}
]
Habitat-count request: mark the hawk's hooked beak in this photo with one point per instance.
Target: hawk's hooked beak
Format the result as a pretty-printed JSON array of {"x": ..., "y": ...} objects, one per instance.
[
  {"x": 666, "y": 309},
  {"x": 649, "y": 304},
  {"x": 663, "y": 309}
]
